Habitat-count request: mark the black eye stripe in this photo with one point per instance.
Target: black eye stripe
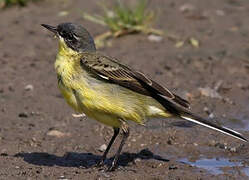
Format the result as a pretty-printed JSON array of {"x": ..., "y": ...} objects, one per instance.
[
  {"x": 69, "y": 36},
  {"x": 62, "y": 33},
  {"x": 66, "y": 35},
  {"x": 76, "y": 37}
]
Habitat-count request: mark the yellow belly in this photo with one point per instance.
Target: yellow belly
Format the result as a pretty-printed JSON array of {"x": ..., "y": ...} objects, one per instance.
[
  {"x": 105, "y": 102},
  {"x": 69, "y": 97},
  {"x": 88, "y": 107},
  {"x": 109, "y": 107}
]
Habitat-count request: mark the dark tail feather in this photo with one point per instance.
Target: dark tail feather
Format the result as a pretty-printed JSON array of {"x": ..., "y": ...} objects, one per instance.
[
  {"x": 181, "y": 101},
  {"x": 193, "y": 118},
  {"x": 184, "y": 114}
]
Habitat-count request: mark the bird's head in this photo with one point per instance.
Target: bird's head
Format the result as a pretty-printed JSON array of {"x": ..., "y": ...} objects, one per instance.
[{"x": 73, "y": 37}]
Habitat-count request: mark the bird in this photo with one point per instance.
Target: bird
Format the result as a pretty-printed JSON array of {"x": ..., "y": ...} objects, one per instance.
[{"x": 104, "y": 89}]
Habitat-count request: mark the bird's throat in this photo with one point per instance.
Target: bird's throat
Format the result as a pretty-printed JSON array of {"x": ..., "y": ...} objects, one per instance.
[{"x": 64, "y": 50}]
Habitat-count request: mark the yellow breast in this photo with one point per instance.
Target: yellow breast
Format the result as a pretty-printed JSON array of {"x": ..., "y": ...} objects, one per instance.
[
  {"x": 77, "y": 87},
  {"x": 100, "y": 100}
]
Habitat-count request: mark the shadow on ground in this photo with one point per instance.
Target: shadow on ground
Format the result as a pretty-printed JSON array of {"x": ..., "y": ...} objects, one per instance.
[
  {"x": 183, "y": 124},
  {"x": 86, "y": 160}
]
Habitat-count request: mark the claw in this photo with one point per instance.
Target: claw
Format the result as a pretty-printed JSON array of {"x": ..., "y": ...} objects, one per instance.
[
  {"x": 112, "y": 167},
  {"x": 100, "y": 163}
]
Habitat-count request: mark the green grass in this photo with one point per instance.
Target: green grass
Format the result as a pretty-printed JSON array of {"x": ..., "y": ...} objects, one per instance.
[
  {"x": 122, "y": 19},
  {"x": 8, "y": 3}
]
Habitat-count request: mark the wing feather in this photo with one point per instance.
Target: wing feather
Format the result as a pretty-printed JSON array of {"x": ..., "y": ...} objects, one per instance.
[{"x": 109, "y": 69}]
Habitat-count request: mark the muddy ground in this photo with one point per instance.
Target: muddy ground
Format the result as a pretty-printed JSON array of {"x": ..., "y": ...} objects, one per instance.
[{"x": 39, "y": 138}]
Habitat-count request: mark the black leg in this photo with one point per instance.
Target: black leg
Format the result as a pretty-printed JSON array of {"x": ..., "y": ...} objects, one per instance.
[
  {"x": 125, "y": 131},
  {"x": 101, "y": 162}
]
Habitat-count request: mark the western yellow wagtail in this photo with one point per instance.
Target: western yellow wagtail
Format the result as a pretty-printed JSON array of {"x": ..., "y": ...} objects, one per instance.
[{"x": 113, "y": 93}]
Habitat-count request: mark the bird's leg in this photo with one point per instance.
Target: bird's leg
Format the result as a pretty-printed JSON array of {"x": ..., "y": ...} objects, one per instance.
[
  {"x": 101, "y": 162},
  {"x": 125, "y": 133}
]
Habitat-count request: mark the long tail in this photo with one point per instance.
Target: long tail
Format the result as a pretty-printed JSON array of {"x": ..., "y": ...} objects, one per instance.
[
  {"x": 184, "y": 114},
  {"x": 198, "y": 120}
]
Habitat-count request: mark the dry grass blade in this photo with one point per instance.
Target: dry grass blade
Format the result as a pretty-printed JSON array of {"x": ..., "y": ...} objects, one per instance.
[{"x": 122, "y": 20}]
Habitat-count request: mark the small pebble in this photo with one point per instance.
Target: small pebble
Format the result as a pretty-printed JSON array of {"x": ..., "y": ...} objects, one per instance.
[
  {"x": 220, "y": 12},
  {"x": 155, "y": 38},
  {"x": 29, "y": 87},
  {"x": 186, "y": 8},
  {"x": 133, "y": 140},
  {"x": 23, "y": 115},
  {"x": 102, "y": 148},
  {"x": 57, "y": 133},
  {"x": 205, "y": 109},
  {"x": 62, "y": 178},
  {"x": 207, "y": 91},
  {"x": 233, "y": 149},
  {"x": 137, "y": 160},
  {"x": 63, "y": 13},
  {"x": 212, "y": 143},
  {"x": 35, "y": 113},
  {"x": 211, "y": 115},
  {"x": 169, "y": 142},
  {"x": 11, "y": 88}
]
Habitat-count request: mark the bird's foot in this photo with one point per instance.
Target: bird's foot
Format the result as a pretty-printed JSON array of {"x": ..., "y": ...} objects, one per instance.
[
  {"x": 112, "y": 167},
  {"x": 100, "y": 163}
]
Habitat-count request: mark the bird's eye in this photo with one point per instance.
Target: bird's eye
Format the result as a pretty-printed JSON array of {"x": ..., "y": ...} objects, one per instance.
[
  {"x": 66, "y": 35},
  {"x": 69, "y": 37},
  {"x": 63, "y": 33}
]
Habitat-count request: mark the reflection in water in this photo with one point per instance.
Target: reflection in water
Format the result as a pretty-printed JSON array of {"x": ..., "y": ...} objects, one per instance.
[
  {"x": 246, "y": 171},
  {"x": 213, "y": 165},
  {"x": 239, "y": 123}
]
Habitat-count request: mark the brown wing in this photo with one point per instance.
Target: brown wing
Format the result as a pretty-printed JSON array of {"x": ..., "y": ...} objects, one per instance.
[{"x": 109, "y": 69}]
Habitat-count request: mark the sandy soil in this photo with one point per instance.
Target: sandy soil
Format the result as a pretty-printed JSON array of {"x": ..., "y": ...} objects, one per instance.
[{"x": 40, "y": 139}]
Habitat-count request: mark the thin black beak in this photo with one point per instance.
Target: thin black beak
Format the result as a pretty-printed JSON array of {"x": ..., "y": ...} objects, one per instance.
[{"x": 50, "y": 28}]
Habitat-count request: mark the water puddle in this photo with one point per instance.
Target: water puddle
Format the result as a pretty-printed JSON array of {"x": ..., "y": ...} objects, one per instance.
[
  {"x": 246, "y": 171},
  {"x": 214, "y": 165},
  {"x": 239, "y": 123},
  {"x": 246, "y": 126}
]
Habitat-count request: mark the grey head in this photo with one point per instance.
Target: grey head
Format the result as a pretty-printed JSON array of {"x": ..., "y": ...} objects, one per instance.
[{"x": 75, "y": 36}]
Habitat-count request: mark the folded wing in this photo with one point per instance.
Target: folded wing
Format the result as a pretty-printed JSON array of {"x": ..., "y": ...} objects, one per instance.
[{"x": 110, "y": 70}]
